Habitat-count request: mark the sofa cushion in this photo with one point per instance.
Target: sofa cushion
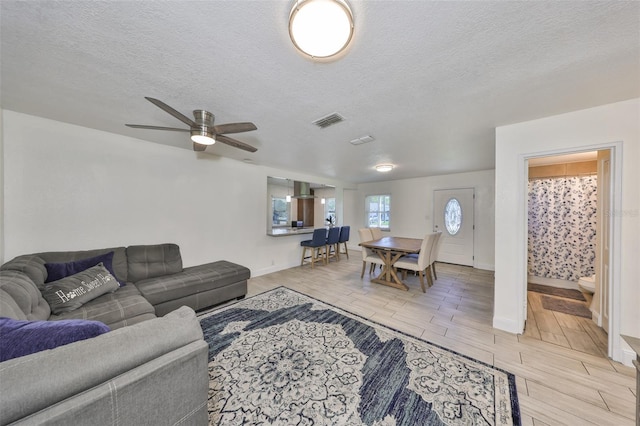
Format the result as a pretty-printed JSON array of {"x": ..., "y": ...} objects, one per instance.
[
  {"x": 192, "y": 280},
  {"x": 20, "y": 298},
  {"x": 73, "y": 291},
  {"x": 57, "y": 271},
  {"x": 19, "y": 337},
  {"x": 151, "y": 261},
  {"x": 121, "y": 308},
  {"x": 119, "y": 259},
  {"x": 31, "y": 265}
]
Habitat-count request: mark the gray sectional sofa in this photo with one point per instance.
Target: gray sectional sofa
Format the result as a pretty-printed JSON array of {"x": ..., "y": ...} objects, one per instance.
[{"x": 146, "y": 370}]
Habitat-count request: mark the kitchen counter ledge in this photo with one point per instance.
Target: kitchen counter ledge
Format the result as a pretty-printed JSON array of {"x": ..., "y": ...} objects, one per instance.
[{"x": 283, "y": 232}]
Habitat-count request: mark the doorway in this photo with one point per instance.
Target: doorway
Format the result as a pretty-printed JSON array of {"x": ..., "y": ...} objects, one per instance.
[
  {"x": 569, "y": 239},
  {"x": 453, "y": 214}
]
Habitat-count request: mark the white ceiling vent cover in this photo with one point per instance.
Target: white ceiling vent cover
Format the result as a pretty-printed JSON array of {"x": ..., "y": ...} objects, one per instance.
[
  {"x": 328, "y": 120},
  {"x": 360, "y": 141}
]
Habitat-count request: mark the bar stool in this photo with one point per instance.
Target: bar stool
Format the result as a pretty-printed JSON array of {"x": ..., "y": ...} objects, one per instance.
[
  {"x": 332, "y": 243},
  {"x": 344, "y": 237},
  {"x": 318, "y": 241}
]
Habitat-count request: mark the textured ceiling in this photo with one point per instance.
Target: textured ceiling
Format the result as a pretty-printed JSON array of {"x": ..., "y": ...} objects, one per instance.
[{"x": 428, "y": 80}]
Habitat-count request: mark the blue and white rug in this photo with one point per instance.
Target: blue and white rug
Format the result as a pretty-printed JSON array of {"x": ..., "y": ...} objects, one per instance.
[{"x": 283, "y": 358}]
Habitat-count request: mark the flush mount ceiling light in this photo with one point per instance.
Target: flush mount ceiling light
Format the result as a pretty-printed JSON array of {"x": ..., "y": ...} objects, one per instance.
[
  {"x": 203, "y": 136},
  {"x": 384, "y": 167},
  {"x": 321, "y": 28}
]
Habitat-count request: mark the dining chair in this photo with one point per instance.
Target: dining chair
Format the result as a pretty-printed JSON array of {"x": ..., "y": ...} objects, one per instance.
[
  {"x": 376, "y": 233},
  {"x": 344, "y": 237},
  {"x": 421, "y": 264},
  {"x": 332, "y": 244},
  {"x": 315, "y": 244},
  {"x": 434, "y": 253},
  {"x": 367, "y": 254}
]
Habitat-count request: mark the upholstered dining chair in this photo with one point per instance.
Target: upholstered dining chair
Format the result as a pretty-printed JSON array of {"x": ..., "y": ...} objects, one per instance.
[
  {"x": 332, "y": 244},
  {"x": 434, "y": 253},
  {"x": 315, "y": 244},
  {"x": 421, "y": 264},
  {"x": 344, "y": 238},
  {"x": 367, "y": 254},
  {"x": 376, "y": 233}
]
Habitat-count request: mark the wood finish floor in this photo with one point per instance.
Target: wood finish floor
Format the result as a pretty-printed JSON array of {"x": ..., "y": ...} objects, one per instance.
[
  {"x": 570, "y": 331},
  {"x": 561, "y": 378}
]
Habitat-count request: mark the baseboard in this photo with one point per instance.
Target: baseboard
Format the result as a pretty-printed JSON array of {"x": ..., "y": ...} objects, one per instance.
[
  {"x": 265, "y": 271},
  {"x": 485, "y": 266},
  {"x": 271, "y": 269},
  {"x": 507, "y": 324},
  {"x": 552, "y": 282},
  {"x": 628, "y": 355}
]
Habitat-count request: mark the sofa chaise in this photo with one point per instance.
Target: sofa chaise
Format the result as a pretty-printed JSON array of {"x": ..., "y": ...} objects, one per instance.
[{"x": 146, "y": 370}]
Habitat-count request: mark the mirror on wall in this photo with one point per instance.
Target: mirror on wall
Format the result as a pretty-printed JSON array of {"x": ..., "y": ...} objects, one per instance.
[{"x": 299, "y": 205}]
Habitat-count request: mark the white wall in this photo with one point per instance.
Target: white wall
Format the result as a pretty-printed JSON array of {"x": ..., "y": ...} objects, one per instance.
[
  {"x": 1, "y": 190},
  {"x": 72, "y": 188},
  {"x": 412, "y": 207},
  {"x": 616, "y": 125}
]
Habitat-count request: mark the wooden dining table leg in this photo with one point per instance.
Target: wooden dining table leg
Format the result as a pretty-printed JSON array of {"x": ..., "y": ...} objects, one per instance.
[{"x": 388, "y": 275}]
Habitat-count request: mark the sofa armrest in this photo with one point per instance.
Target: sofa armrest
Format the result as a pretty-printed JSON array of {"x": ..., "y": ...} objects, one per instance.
[
  {"x": 169, "y": 390},
  {"x": 31, "y": 383}
]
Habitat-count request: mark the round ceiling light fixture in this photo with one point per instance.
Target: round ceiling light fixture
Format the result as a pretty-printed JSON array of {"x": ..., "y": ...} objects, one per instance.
[
  {"x": 383, "y": 168},
  {"x": 203, "y": 136},
  {"x": 321, "y": 28}
]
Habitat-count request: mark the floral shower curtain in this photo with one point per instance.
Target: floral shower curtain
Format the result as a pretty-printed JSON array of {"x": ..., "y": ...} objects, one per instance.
[{"x": 562, "y": 227}]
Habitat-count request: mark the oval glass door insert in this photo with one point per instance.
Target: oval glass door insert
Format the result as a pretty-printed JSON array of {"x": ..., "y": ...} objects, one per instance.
[{"x": 453, "y": 216}]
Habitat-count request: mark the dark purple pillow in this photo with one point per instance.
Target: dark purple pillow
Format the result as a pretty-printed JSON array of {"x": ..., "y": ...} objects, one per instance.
[
  {"x": 57, "y": 271},
  {"x": 20, "y": 337}
]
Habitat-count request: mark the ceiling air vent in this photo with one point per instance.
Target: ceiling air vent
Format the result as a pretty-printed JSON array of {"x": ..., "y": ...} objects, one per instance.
[
  {"x": 328, "y": 120},
  {"x": 360, "y": 141}
]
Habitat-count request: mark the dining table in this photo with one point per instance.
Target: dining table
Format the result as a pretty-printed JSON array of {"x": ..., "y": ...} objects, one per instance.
[{"x": 390, "y": 249}]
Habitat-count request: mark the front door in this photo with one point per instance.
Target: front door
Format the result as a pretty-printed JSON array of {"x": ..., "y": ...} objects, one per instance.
[{"x": 453, "y": 215}]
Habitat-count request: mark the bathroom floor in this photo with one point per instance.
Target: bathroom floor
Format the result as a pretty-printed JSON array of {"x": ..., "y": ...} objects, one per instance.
[{"x": 569, "y": 331}]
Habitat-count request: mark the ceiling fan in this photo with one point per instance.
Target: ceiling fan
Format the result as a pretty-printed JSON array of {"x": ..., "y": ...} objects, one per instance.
[{"x": 203, "y": 132}]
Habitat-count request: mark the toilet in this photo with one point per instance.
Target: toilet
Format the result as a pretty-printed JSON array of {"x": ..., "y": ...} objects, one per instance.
[{"x": 588, "y": 284}]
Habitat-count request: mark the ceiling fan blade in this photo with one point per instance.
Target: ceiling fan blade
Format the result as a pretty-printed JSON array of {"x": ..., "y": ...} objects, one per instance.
[
  {"x": 234, "y": 128},
  {"x": 141, "y": 126},
  {"x": 199, "y": 147},
  {"x": 186, "y": 120},
  {"x": 235, "y": 143}
]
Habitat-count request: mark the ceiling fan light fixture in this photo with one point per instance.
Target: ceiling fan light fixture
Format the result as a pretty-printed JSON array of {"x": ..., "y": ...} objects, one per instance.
[
  {"x": 321, "y": 28},
  {"x": 383, "y": 168},
  {"x": 203, "y": 137}
]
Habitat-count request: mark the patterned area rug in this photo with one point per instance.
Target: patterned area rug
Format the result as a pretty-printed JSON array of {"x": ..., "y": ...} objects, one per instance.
[
  {"x": 566, "y": 306},
  {"x": 555, "y": 291},
  {"x": 284, "y": 358}
]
